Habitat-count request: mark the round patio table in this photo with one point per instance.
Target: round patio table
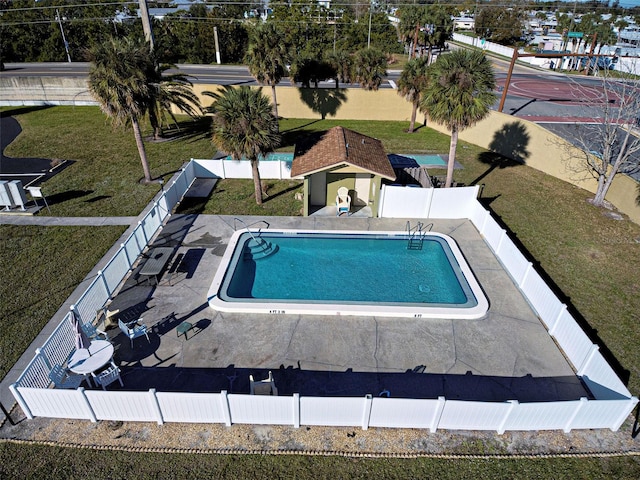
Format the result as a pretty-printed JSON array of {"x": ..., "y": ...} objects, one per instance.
[{"x": 86, "y": 361}]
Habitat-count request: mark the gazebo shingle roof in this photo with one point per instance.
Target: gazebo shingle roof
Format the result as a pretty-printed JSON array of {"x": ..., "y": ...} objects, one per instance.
[{"x": 340, "y": 146}]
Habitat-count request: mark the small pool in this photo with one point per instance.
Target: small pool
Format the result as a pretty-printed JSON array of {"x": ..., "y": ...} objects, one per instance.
[
  {"x": 270, "y": 157},
  {"x": 408, "y": 160},
  {"x": 398, "y": 160},
  {"x": 346, "y": 273}
]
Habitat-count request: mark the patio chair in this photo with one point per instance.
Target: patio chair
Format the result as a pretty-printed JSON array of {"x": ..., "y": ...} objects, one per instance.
[
  {"x": 62, "y": 378},
  {"x": 343, "y": 201},
  {"x": 108, "y": 376},
  {"x": 263, "y": 387},
  {"x": 133, "y": 330},
  {"x": 93, "y": 332}
]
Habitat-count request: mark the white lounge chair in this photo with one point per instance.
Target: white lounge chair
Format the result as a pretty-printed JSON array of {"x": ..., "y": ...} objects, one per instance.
[
  {"x": 343, "y": 201},
  {"x": 263, "y": 387}
]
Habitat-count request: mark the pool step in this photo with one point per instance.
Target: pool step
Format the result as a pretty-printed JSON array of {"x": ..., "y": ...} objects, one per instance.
[{"x": 259, "y": 248}]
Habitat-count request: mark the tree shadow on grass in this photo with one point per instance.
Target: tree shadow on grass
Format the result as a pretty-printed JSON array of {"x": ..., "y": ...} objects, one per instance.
[
  {"x": 193, "y": 129},
  {"x": 66, "y": 196},
  {"x": 507, "y": 149},
  {"x": 322, "y": 100},
  {"x": 291, "y": 137},
  {"x": 22, "y": 110},
  {"x": 269, "y": 197}
]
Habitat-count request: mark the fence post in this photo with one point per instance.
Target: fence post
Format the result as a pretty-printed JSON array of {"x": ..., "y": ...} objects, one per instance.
[
  {"x": 380, "y": 201},
  {"x": 226, "y": 409},
  {"x": 104, "y": 281},
  {"x": 156, "y": 405},
  {"x": 437, "y": 414},
  {"x": 296, "y": 410},
  {"x": 525, "y": 275},
  {"x": 572, "y": 417},
  {"x": 23, "y": 405},
  {"x": 144, "y": 234},
  {"x": 501, "y": 427},
  {"x": 90, "y": 412},
  {"x": 41, "y": 353},
  {"x": 585, "y": 363},
  {"x": 552, "y": 328},
  {"x": 625, "y": 412},
  {"x": 502, "y": 237},
  {"x": 366, "y": 413},
  {"x": 126, "y": 255}
]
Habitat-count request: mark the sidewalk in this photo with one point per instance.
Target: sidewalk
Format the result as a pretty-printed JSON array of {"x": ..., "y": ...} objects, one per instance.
[{"x": 7, "y": 218}]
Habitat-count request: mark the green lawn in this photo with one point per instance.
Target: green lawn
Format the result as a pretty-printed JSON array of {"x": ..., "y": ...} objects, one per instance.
[
  {"x": 39, "y": 268},
  {"x": 55, "y": 462},
  {"x": 593, "y": 261}
]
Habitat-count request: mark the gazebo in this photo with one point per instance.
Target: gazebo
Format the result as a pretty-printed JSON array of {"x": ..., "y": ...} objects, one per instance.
[{"x": 337, "y": 158}]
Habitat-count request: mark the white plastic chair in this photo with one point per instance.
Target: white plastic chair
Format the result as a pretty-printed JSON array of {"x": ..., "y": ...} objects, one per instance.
[
  {"x": 133, "y": 330},
  {"x": 62, "y": 378},
  {"x": 108, "y": 376},
  {"x": 343, "y": 201},
  {"x": 36, "y": 192},
  {"x": 263, "y": 387},
  {"x": 93, "y": 332}
]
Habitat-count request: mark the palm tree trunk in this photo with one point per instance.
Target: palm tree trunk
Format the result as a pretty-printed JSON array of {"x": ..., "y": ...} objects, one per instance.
[
  {"x": 257, "y": 184},
  {"x": 413, "y": 115},
  {"x": 275, "y": 102},
  {"x": 452, "y": 156},
  {"x": 155, "y": 124},
  {"x": 141, "y": 151}
]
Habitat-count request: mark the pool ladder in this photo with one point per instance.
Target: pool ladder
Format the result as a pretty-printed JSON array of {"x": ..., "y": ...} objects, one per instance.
[
  {"x": 416, "y": 235},
  {"x": 257, "y": 247}
]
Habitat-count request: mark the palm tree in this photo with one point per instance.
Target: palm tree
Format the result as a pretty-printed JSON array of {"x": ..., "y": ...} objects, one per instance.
[
  {"x": 459, "y": 93},
  {"x": 412, "y": 81},
  {"x": 245, "y": 127},
  {"x": 343, "y": 65},
  {"x": 118, "y": 81},
  {"x": 169, "y": 90},
  {"x": 370, "y": 66},
  {"x": 267, "y": 57}
]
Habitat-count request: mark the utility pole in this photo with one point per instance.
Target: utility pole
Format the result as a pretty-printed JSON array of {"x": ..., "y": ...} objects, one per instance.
[
  {"x": 215, "y": 38},
  {"x": 369, "y": 36},
  {"x": 146, "y": 23},
  {"x": 64, "y": 39}
]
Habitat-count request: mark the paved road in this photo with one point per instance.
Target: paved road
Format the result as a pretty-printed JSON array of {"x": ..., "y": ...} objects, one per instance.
[{"x": 205, "y": 74}]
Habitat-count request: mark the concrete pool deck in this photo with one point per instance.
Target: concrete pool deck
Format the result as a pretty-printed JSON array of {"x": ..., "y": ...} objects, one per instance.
[{"x": 507, "y": 355}]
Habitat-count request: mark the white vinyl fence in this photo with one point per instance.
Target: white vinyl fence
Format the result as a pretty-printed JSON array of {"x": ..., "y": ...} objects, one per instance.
[
  {"x": 611, "y": 405},
  {"x": 223, "y": 168},
  {"x": 61, "y": 343}
]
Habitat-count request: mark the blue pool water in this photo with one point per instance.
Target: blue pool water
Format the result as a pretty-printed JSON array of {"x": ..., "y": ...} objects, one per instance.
[
  {"x": 403, "y": 160},
  {"x": 271, "y": 157},
  {"x": 326, "y": 268}
]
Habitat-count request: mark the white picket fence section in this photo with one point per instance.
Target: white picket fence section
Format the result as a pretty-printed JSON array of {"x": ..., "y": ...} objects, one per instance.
[
  {"x": 611, "y": 405},
  {"x": 222, "y": 168}
]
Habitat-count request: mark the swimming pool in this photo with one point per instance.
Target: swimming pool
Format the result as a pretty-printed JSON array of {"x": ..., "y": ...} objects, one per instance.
[
  {"x": 397, "y": 160},
  {"x": 345, "y": 273}
]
